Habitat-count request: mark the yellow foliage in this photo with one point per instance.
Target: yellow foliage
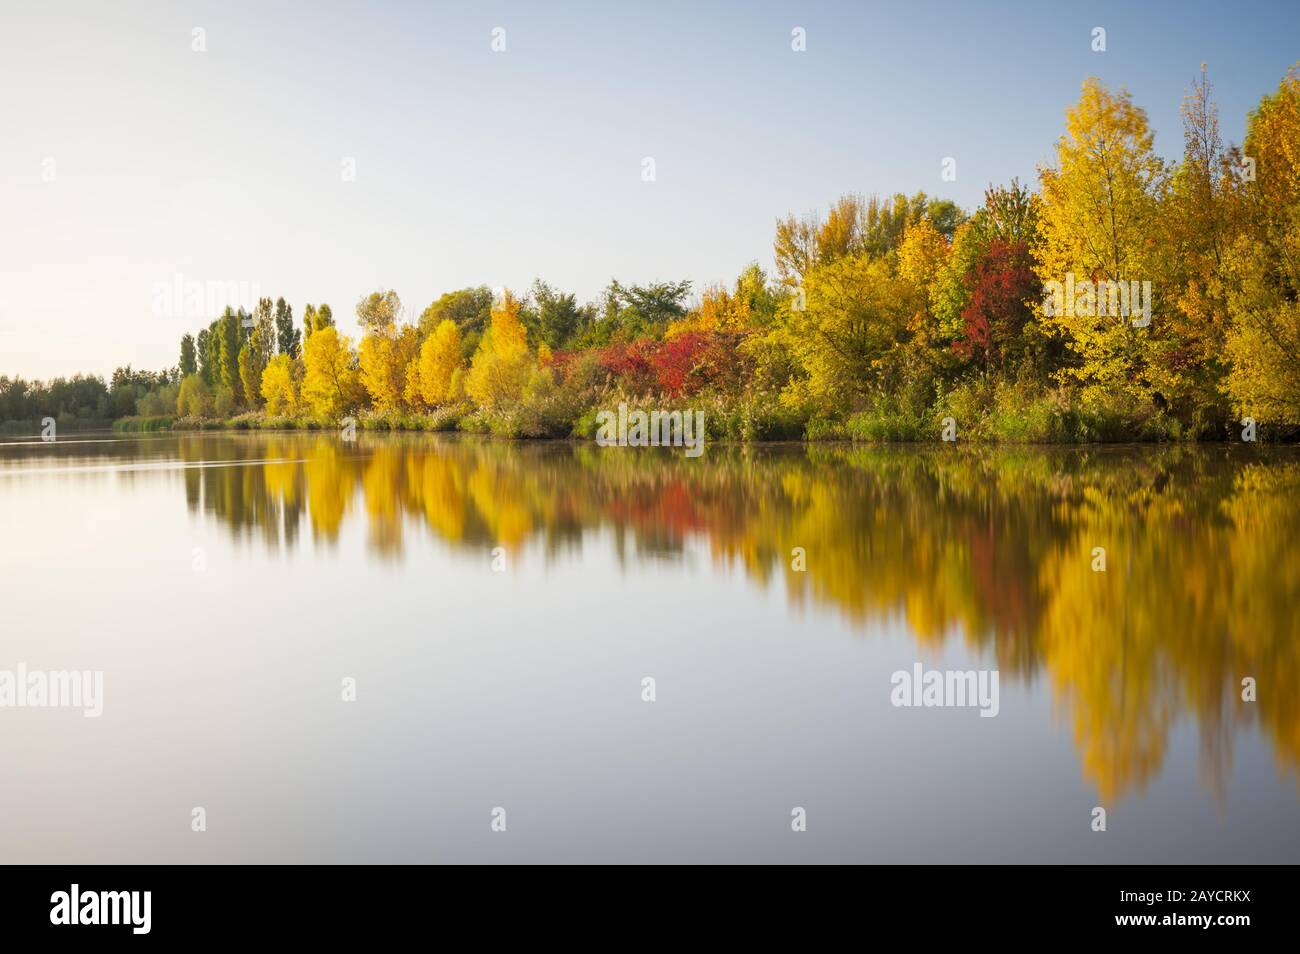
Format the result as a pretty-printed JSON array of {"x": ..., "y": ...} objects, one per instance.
[
  {"x": 330, "y": 382},
  {"x": 1263, "y": 340},
  {"x": 1100, "y": 222},
  {"x": 278, "y": 387},
  {"x": 501, "y": 364},
  {"x": 439, "y": 359}
]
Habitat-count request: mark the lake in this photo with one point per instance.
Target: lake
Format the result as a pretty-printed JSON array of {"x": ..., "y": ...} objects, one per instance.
[{"x": 365, "y": 651}]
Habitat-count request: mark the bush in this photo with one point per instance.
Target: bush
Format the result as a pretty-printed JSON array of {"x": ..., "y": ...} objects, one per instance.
[
  {"x": 141, "y": 424},
  {"x": 193, "y": 398},
  {"x": 223, "y": 402},
  {"x": 889, "y": 422}
]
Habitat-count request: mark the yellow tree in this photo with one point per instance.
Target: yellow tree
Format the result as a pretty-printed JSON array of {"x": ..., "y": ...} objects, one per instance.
[
  {"x": 411, "y": 391},
  {"x": 384, "y": 357},
  {"x": 855, "y": 317},
  {"x": 251, "y": 366},
  {"x": 1263, "y": 339},
  {"x": 1099, "y": 222},
  {"x": 923, "y": 260},
  {"x": 439, "y": 359},
  {"x": 330, "y": 384},
  {"x": 1200, "y": 222},
  {"x": 501, "y": 365},
  {"x": 278, "y": 386}
]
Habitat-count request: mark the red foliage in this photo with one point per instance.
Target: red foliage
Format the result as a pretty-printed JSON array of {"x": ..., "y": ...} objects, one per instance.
[
  {"x": 674, "y": 361},
  {"x": 562, "y": 361},
  {"x": 1002, "y": 283},
  {"x": 630, "y": 363},
  {"x": 681, "y": 365}
]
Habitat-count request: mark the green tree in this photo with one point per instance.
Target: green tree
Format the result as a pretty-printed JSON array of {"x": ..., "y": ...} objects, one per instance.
[
  {"x": 232, "y": 336},
  {"x": 189, "y": 363},
  {"x": 469, "y": 308},
  {"x": 209, "y": 348},
  {"x": 194, "y": 399},
  {"x": 557, "y": 317},
  {"x": 288, "y": 338}
]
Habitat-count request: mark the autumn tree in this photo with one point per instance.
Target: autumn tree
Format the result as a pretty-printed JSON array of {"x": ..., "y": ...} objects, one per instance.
[
  {"x": 1098, "y": 222},
  {"x": 278, "y": 387},
  {"x": 872, "y": 226},
  {"x": 385, "y": 355},
  {"x": 439, "y": 359},
  {"x": 330, "y": 382},
  {"x": 379, "y": 311},
  {"x": 856, "y": 314},
  {"x": 1263, "y": 340},
  {"x": 1003, "y": 288},
  {"x": 502, "y": 364}
]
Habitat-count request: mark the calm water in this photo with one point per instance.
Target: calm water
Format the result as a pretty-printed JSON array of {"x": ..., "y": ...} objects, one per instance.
[{"x": 227, "y": 585}]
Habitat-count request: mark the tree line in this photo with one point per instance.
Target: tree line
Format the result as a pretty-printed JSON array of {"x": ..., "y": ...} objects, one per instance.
[{"x": 883, "y": 316}]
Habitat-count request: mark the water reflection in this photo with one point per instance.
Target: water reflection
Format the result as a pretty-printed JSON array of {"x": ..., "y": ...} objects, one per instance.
[{"x": 994, "y": 548}]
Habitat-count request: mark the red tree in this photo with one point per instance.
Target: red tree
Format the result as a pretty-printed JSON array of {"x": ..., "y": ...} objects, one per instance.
[{"x": 1002, "y": 284}]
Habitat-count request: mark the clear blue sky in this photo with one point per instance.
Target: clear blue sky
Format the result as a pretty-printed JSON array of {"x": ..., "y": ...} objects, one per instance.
[{"x": 475, "y": 167}]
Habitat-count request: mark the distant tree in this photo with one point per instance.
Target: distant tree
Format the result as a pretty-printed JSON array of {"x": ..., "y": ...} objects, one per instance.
[
  {"x": 650, "y": 308},
  {"x": 558, "y": 317},
  {"x": 288, "y": 338},
  {"x": 189, "y": 362},
  {"x": 209, "y": 348},
  {"x": 379, "y": 311},
  {"x": 469, "y": 308},
  {"x": 264, "y": 330},
  {"x": 231, "y": 337},
  {"x": 314, "y": 318}
]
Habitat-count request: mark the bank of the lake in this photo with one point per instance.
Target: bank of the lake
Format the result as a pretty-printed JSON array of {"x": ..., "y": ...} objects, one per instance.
[{"x": 1036, "y": 424}]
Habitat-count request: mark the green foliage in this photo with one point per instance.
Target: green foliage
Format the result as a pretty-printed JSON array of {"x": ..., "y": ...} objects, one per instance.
[
  {"x": 143, "y": 424},
  {"x": 189, "y": 357}
]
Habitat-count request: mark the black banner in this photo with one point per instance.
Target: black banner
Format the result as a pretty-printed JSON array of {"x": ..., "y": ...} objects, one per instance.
[{"x": 175, "y": 904}]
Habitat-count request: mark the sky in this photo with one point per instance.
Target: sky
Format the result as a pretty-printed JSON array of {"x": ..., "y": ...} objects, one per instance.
[{"x": 321, "y": 151}]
